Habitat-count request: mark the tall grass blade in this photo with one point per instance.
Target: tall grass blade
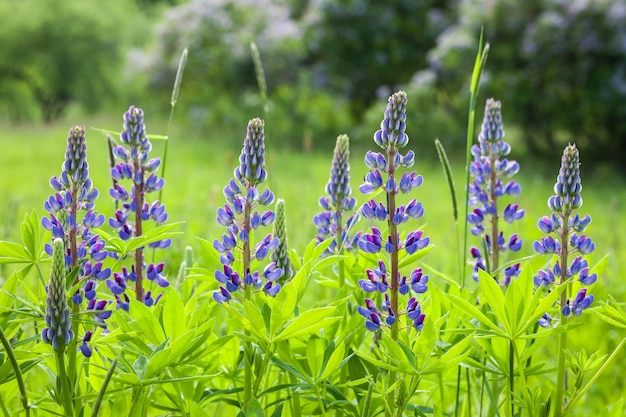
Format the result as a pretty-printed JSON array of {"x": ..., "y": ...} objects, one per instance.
[
  {"x": 105, "y": 384},
  {"x": 447, "y": 170},
  {"x": 175, "y": 93},
  {"x": 479, "y": 64},
  {"x": 179, "y": 77},
  {"x": 260, "y": 75}
]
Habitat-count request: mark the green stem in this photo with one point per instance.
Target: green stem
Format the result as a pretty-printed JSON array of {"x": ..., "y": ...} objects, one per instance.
[
  {"x": 368, "y": 400},
  {"x": 248, "y": 349},
  {"x": 319, "y": 400},
  {"x": 107, "y": 379},
  {"x": 3, "y": 406},
  {"x": 393, "y": 277},
  {"x": 65, "y": 386},
  {"x": 264, "y": 371},
  {"x": 469, "y": 391},
  {"x": 139, "y": 198},
  {"x": 295, "y": 398},
  {"x": 495, "y": 253},
  {"x": 561, "y": 377},
  {"x": 16, "y": 369},
  {"x": 458, "y": 391},
  {"x": 512, "y": 376},
  {"x": 339, "y": 237}
]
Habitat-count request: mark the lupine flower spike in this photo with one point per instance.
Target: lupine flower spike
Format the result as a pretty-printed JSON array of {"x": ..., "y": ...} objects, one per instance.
[
  {"x": 490, "y": 170},
  {"x": 338, "y": 202},
  {"x": 71, "y": 216},
  {"x": 385, "y": 278},
  {"x": 239, "y": 218},
  {"x": 564, "y": 231},
  {"x": 58, "y": 332},
  {"x": 135, "y": 165},
  {"x": 281, "y": 255}
]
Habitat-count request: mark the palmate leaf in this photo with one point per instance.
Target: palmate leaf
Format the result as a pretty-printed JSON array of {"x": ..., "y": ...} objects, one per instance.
[
  {"x": 473, "y": 312},
  {"x": 124, "y": 247}
]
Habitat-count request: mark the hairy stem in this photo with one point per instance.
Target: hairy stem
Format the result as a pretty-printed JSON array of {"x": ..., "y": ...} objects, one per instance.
[
  {"x": 139, "y": 198},
  {"x": 248, "y": 349},
  {"x": 65, "y": 386},
  {"x": 561, "y": 377},
  {"x": 393, "y": 275}
]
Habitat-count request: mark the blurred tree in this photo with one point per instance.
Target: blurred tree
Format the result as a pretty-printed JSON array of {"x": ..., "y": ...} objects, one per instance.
[
  {"x": 59, "y": 52},
  {"x": 360, "y": 46},
  {"x": 559, "y": 66}
]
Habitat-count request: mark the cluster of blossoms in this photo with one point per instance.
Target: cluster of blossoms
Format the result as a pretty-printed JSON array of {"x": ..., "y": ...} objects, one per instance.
[
  {"x": 338, "y": 202},
  {"x": 133, "y": 163},
  {"x": 568, "y": 227},
  {"x": 71, "y": 216},
  {"x": 488, "y": 169},
  {"x": 385, "y": 278},
  {"x": 240, "y": 219}
]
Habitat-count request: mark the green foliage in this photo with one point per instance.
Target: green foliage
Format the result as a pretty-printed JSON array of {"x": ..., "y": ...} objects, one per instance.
[
  {"x": 55, "y": 53},
  {"x": 558, "y": 65},
  {"x": 382, "y": 44}
]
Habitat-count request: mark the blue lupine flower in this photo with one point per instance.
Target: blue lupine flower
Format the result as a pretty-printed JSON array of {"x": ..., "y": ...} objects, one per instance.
[
  {"x": 72, "y": 215},
  {"x": 134, "y": 164},
  {"x": 488, "y": 170},
  {"x": 384, "y": 175},
  {"x": 338, "y": 203},
  {"x": 239, "y": 217},
  {"x": 563, "y": 229}
]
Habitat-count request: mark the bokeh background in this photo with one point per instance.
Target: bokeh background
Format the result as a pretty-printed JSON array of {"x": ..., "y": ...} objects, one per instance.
[{"x": 559, "y": 66}]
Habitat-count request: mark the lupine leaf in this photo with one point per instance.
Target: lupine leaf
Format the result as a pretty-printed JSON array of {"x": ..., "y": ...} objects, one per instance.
[
  {"x": 291, "y": 369},
  {"x": 455, "y": 355},
  {"x": 145, "y": 320},
  {"x": 13, "y": 253},
  {"x": 406, "y": 260},
  {"x": 308, "y": 322},
  {"x": 334, "y": 362},
  {"x": 174, "y": 318},
  {"x": 315, "y": 355},
  {"x": 492, "y": 295},
  {"x": 282, "y": 307},
  {"x": 514, "y": 305},
  {"x": 474, "y": 312},
  {"x": 545, "y": 305}
]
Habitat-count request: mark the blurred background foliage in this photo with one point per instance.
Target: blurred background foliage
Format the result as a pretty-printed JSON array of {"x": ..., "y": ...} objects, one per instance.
[{"x": 559, "y": 66}]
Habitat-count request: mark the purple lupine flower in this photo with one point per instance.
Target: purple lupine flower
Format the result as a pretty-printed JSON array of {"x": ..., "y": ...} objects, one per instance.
[
  {"x": 239, "y": 217},
  {"x": 384, "y": 175},
  {"x": 489, "y": 170},
  {"x": 133, "y": 164},
  {"x": 58, "y": 332},
  {"x": 338, "y": 203},
  {"x": 564, "y": 237},
  {"x": 72, "y": 215}
]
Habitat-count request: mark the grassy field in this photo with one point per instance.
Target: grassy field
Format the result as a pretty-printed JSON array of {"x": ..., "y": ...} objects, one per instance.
[{"x": 200, "y": 163}]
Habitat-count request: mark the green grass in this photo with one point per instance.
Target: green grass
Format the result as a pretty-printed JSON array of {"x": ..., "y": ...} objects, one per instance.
[{"x": 199, "y": 165}]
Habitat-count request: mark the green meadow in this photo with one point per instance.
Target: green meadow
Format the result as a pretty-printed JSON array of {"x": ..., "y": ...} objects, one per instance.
[{"x": 199, "y": 163}]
